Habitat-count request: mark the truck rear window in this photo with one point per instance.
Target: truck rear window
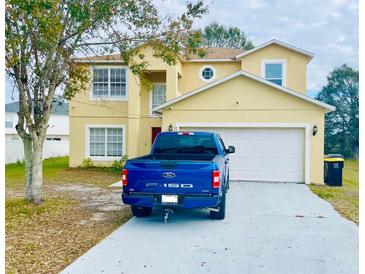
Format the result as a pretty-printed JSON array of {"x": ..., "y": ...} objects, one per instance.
[{"x": 185, "y": 144}]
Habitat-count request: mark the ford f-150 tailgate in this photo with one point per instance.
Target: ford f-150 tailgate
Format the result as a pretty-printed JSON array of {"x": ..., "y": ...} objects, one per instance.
[{"x": 170, "y": 177}]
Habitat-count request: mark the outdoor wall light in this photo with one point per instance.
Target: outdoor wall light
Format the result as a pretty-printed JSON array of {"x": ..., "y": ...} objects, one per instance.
[
  {"x": 315, "y": 129},
  {"x": 170, "y": 127}
]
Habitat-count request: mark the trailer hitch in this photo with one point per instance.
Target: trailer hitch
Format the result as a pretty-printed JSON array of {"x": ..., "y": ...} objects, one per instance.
[
  {"x": 215, "y": 209},
  {"x": 167, "y": 211}
]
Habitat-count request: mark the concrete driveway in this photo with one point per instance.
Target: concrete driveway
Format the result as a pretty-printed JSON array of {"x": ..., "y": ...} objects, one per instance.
[{"x": 269, "y": 228}]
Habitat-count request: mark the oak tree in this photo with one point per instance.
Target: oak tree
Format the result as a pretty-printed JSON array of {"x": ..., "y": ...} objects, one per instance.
[
  {"x": 42, "y": 36},
  {"x": 342, "y": 125},
  {"x": 220, "y": 36}
]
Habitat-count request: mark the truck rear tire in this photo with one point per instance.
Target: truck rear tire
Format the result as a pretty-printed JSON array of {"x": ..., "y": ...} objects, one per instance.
[
  {"x": 219, "y": 215},
  {"x": 141, "y": 211}
]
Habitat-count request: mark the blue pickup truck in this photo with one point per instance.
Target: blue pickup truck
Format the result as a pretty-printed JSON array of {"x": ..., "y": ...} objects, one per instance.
[{"x": 184, "y": 169}]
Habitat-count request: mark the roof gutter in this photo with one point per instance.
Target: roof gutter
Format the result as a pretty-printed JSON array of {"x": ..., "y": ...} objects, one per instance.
[
  {"x": 98, "y": 61},
  {"x": 211, "y": 60}
]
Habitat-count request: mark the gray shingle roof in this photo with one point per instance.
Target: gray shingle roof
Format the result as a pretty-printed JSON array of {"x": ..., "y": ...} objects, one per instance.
[{"x": 57, "y": 108}]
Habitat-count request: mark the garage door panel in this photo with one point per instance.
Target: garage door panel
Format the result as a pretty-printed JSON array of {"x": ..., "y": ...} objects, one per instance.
[{"x": 264, "y": 154}]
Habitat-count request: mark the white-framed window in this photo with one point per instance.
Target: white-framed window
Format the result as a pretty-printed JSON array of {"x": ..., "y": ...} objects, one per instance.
[
  {"x": 105, "y": 142},
  {"x": 109, "y": 83},
  {"x": 207, "y": 73},
  {"x": 8, "y": 121},
  {"x": 274, "y": 71},
  {"x": 157, "y": 95}
]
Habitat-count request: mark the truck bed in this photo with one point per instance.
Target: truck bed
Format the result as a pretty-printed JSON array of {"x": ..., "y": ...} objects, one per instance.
[{"x": 182, "y": 157}]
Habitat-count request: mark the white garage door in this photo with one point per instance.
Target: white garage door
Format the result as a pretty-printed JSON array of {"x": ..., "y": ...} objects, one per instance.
[{"x": 264, "y": 154}]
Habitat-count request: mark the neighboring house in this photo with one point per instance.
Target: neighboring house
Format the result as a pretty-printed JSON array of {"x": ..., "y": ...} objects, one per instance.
[
  {"x": 255, "y": 99},
  {"x": 57, "y": 139}
]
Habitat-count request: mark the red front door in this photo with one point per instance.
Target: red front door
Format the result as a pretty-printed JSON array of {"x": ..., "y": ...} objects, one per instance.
[{"x": 155, "y": 131}]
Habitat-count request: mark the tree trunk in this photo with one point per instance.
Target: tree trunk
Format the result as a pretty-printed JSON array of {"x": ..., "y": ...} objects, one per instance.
[
  {"x": 28, "y": 159},
  {"x": 33, "y": 169},
  {"x": 37, "y": 176}
]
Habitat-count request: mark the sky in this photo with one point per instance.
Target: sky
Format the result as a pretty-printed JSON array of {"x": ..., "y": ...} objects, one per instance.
[{"x": 328, "y": 28}]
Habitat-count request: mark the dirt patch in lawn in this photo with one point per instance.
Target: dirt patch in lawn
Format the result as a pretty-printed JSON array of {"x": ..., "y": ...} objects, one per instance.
[
  {"x": 80, "y": 210},
  {"x": 99, "y": 200},
  {"x": 47, "y": 238},
  {"x": 72, "y": 219}
]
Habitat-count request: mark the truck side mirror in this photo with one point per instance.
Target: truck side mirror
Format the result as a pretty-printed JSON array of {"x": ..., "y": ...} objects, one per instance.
[{"x": 231, "y": 149}]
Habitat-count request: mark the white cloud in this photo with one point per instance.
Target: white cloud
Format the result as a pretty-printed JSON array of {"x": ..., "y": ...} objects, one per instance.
[
  {"x": 339, "y": 2},
  {"x": 319, "y": 24},
  {"x": 256, "y": 4}
]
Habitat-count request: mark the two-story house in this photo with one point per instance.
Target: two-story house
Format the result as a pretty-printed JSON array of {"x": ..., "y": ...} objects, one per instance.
[{"x": 255, "y": 99}]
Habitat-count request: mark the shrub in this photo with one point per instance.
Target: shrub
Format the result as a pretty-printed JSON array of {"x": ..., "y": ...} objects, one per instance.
[
  {"x": 119, "y": 164},
  {"x": 87, "y": 163},
  {"x": 19, "y": 162}
]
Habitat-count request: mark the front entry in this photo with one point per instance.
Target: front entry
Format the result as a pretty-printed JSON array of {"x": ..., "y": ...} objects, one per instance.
[{"x": 155, "y": 131}]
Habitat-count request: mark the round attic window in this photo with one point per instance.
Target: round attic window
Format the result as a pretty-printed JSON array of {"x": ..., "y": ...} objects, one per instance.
[{"x": 207, "y": 73}]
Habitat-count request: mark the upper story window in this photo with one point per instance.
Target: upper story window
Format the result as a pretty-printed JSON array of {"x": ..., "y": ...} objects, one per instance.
[
  {"x": 109, "y": 83},
  {"x": 158, "y": 96},
  {"x": 207, "y": 73},
  {"x": 274, "y": 71},
  {"x": 8, "y": 121}
]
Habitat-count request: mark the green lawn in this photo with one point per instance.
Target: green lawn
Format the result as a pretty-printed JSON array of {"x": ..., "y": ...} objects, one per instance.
[
  {"x": 56, "y": 171},
  {"x": 344, "y": 199}
]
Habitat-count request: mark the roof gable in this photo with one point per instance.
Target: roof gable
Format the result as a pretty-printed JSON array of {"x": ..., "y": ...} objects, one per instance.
[
  {"x": 279, "y": 43},
  {"x": 253, "y": 77}
]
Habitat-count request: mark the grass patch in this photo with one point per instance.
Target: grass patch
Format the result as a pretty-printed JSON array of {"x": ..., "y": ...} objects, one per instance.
[
  {"x": 344, "y": 199},
  {"x": 48, "y": 237},
  {"x": 56, "y": 170},
  {"x": 20, "y": 211}
]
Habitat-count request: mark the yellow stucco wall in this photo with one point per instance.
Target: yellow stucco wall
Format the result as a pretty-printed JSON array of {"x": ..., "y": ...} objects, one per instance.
[
  {"x": 145, "y": 136},
  {"x": 146, "y": 121},
  {"x": 78, "y": 136},
  {"x": 296, "y": 65},
  {"x": 258, "y": 103},
  {"x": 133, "y": 114},
  {"x": 172, "y": 72},
  {"x": 191, "y": 79}
]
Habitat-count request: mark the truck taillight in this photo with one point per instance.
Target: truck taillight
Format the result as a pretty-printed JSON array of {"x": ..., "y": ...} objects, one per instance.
[
  {"x": 125, "y": 177},
  {"x": 216, "y": 179}
]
